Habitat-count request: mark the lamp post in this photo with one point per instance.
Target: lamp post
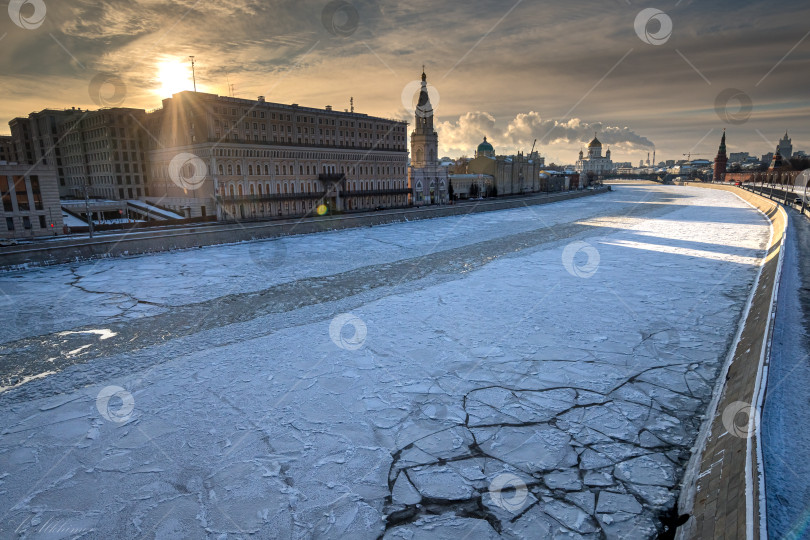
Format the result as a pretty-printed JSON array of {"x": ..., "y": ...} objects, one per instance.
[{"x": 87, "y": 209}]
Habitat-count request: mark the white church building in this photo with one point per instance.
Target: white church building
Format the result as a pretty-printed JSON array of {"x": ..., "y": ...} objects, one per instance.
[{"x": 595, "y": 163}]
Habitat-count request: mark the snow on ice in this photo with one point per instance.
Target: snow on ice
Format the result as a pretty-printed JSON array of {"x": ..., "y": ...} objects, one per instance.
[{"x": 483, "y": 380}]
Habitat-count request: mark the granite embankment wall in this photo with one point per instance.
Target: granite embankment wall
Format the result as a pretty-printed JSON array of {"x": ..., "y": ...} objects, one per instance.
[{"x": 722, "y": 485}]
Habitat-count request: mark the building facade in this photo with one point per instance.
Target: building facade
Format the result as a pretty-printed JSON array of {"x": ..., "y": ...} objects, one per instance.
[
  {"x": 595, "y": 164},
  {"x": 7, "y": 152},
  {"x": 252, "y": 159},
  {"x": 785, "y": 147},
  {"x": 30, "y": 206},
  {"x": 427, "y": 178},
  {"x": 97, "y": 151},
  {"x": 499, "y": 175}
]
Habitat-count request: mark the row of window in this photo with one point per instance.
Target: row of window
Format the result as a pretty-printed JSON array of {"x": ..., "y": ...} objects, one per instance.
[
  {"x": 300, "y": 207},
  {"x": 285, "y": 170},
  {"x": 16, "y": 195},
  {"x": 306, "y": 130},
  {"x": 283, "y": 188},
  {"x": 304, "y": 119},
  {"x": 100, "y": 180},
  {"x": 26, "y": 223},
  {"x": 299, "y": 155}
]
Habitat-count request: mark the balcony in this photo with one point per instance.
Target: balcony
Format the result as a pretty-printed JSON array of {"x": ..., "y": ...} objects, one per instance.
[
  {"x": 375, "y": 192},
  {"x": 269, "y": 197}
]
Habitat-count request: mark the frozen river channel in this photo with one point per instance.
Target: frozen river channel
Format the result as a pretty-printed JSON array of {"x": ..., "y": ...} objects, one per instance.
[{"x": 530, "y": 373}]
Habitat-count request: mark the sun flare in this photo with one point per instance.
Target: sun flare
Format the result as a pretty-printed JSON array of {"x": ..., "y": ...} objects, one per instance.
[{"x": 173, "y": 76}]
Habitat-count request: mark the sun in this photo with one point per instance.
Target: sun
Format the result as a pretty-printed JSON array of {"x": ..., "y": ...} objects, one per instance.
[{"x": 173, "y": 76}]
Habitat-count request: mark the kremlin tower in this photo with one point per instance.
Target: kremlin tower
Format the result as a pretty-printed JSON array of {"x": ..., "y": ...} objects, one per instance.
[{"x": 720, "y": 161}]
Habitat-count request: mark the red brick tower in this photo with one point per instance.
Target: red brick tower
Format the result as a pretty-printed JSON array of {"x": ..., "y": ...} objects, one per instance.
[
  {"x": 720, "y": 161},
  {"x": 778, "y": 162}
]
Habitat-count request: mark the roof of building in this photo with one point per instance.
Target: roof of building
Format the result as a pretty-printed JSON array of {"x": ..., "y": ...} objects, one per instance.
[
  {"x": 485, "y": 147},
  {"x": 595, "y": 142}
]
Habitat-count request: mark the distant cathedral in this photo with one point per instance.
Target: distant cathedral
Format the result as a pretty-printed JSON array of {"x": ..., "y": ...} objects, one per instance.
[
  {"x": 427, "y": 178},
  {"x": 594, "y": 163}
]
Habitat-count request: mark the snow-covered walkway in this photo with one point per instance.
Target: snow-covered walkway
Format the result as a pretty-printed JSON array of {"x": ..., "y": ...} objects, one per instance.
[{"x": 527, "y": 373}]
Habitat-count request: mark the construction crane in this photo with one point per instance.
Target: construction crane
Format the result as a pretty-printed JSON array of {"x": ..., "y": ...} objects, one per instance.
[{"x": 690, "y": 154}]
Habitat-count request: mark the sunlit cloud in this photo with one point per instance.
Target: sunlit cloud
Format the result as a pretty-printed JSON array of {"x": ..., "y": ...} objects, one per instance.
[{"x": 549, "y": 71}]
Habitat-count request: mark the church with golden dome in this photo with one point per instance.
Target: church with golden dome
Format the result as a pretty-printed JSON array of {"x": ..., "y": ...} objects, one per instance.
[{"x": 595, "y": 163}]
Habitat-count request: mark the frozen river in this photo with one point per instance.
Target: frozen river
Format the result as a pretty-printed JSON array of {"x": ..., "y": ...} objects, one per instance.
[{"x": 528, "y": 373}]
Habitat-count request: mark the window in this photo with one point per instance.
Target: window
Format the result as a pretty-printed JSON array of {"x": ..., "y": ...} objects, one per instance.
[
  {"x": 42, "y": 224},
  {"x": 26, "y": 222},
  {"x": 10, "y": 223},
  {"x": 6, "y": 195},
  {"x": 22, "y": 195}
]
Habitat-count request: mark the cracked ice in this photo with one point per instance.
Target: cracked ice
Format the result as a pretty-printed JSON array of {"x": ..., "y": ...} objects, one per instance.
[{"x": 482, "y": 362}]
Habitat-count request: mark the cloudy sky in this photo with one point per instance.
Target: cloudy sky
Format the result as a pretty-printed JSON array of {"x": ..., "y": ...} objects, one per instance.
[{"x": 668, "y": 75}]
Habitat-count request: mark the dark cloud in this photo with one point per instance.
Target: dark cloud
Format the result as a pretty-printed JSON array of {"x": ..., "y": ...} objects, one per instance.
[{"x": 564, "y": 62}]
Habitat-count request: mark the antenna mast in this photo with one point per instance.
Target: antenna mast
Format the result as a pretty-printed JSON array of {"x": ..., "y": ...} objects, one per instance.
[{"x": 193, "y": 74}]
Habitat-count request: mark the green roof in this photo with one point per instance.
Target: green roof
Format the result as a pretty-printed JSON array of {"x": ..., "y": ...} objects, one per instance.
[{"x": 485, "y": 147}]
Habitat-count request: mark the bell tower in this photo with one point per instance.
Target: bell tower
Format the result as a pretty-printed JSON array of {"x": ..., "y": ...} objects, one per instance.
[
  {"x": 428, "y": 180},
  {"x": 424, "y": 139}
]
